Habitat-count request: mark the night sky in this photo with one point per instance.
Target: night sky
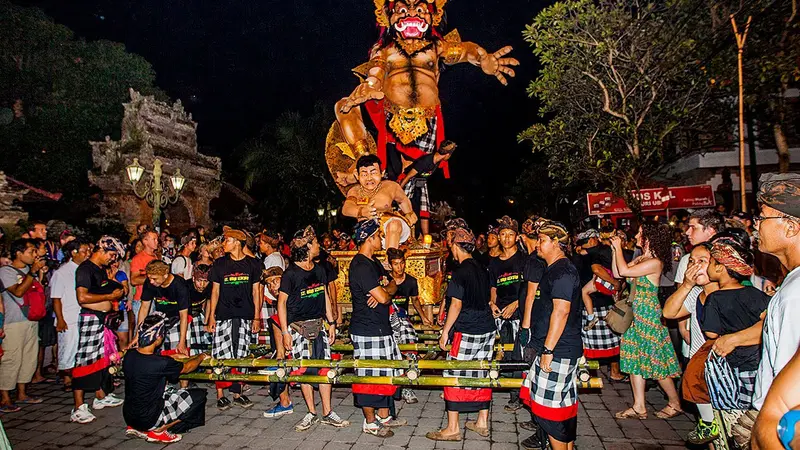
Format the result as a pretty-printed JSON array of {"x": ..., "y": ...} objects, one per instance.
[{"x": 237, "y": 64}]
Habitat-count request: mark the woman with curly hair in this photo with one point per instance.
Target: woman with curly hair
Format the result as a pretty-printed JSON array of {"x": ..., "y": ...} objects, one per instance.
[{"x": 646, "y": 351}]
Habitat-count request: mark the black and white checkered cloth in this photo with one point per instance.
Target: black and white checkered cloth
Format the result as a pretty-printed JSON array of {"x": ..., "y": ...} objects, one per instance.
[
  {"x": 747, "y": 387},
  {"x": 173, "y": 337},
  {"x": 601, "y": 337},
  {"x": 224, "y": 345},
  {"x": 556, "y": 389},
  {"x": 90, "y": 340},
  {"x": 470, "y": 347},
  {"x": 411, "y": 191},
  {"x": 499, "y": 323},
  {"x": 302, "y": 348},
  {"x": 402, "y": 328},
  {"x": 176, "y": 402},
  {"x": 199, "y": 339},
  {"x": 376, "y": 347}
]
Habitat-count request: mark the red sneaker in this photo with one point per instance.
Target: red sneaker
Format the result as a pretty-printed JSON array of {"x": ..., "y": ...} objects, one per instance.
[
  {"x": 165, "y": 437},
  {"x": 132, "y": 432}
]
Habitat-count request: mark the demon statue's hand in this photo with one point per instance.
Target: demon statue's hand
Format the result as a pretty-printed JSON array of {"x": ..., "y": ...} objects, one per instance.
[
  {"x": 495, "y": 64},
  {"x": 364, "y": 92}
]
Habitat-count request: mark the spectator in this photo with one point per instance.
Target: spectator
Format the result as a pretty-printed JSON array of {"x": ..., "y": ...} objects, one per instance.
[
  {"x": 47, "y": 326},
  {"x": 20, "y": 335},
  {"x": 182, "y": 264},
  {"x": 138, "y": 274},
  {"x": 778, "y": 226},
  {"x": 115, "y": 273},
  {"x": 646, "y": 352},
  {"x": 168, "y": 249},
  {"x": 204, "y": 255},
  {"x": 66, "y": 307},
  {"x": 65, "y": 237}
]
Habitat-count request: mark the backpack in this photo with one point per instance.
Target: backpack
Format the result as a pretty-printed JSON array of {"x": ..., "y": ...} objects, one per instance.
[{"x": 34, "y": 301}]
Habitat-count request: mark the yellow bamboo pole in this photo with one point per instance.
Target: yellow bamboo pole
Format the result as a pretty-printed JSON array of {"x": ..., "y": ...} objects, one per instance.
[
  {"x": 741, "y": 38},
  {"x": 376, "y": 364}
]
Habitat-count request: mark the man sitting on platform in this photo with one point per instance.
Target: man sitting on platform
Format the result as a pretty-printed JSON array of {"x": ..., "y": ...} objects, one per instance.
[
  {"x": 154, "y": 410},
  {"x": 373, "y": 198}
]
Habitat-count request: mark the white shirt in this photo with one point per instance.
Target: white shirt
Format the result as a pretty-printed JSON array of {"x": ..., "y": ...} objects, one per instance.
[
  {"x": 682, "y": 266},
  {"x": 696, "y": 336},
  {"x": 781, "y": 335},
  {"x": 182, "y": 267},
  {"x": 62, "y": 285}
]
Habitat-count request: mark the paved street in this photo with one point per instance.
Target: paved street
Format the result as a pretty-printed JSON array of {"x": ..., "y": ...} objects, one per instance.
[{"x": 47, "y": 426}]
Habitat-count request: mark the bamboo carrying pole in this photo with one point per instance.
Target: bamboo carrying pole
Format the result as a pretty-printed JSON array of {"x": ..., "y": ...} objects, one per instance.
[
  {"x": 376, "y": 364},
  {"x": 341, "y": 348},
  {"x": 740, "y": 41},
  {"x": 432, "y": 381}
]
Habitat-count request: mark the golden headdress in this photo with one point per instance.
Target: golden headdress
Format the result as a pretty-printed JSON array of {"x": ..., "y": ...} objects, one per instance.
[{"x": 383, "y": 19}]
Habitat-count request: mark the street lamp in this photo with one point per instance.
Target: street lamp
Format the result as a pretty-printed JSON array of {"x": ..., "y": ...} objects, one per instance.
[{"x": 153, "y": 191}]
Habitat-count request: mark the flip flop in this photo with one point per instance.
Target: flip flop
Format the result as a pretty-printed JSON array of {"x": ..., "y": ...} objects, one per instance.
[
  {"x": 624, "y": 379},
  {"x": 471, "y": 425},
  {"x": 668, "y": 412},
  {"x": 630, "y": 413},
  {"x": 439, "y": 436},
  {"x": 9, "y": 408},
  {"x": 31, "y": 401}
]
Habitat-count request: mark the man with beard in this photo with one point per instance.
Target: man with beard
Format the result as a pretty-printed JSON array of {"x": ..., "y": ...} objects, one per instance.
[
  {"x": 399, "y": 87},
  {"x": 95, "y": 294},
  {"x": 235, "y": 310},
  {"x": 556, "y": 335},
  {"x": 371, "y": 332},
  {"x": 507, "y": 279},
  {"x": 373, "y": 198}
]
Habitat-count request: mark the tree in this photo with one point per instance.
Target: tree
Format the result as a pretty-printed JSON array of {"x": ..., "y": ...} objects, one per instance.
[
  {"x": 57, "y": 94},
  {"x": 623, "y": 87},
  {"x": 285, "y": 165}
]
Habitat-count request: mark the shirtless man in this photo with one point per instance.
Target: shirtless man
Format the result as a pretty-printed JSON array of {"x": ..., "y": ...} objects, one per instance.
[
  {"x": 372, "y": 198},
  {"x": 399, "y": 87}
]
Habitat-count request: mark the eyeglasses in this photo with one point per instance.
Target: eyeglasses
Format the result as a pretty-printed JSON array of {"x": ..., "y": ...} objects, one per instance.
[{"x": 759, "y": 218}]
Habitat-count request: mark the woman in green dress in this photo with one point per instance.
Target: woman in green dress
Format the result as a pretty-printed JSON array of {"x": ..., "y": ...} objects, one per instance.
[{"x": 646, "y": 351}]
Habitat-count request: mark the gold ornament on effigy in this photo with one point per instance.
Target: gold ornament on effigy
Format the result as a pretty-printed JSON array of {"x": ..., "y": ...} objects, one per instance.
[
  {"x": 341, "y": 156},
  {"x": 380, "y": 13},
  {"x": 409, "y": 123},
  {"x": 411, "y": 46}
]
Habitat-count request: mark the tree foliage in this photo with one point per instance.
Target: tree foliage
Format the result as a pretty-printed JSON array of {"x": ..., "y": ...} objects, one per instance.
[
  {"x": 623, "y": 87},
  {"x": 284, "y": 166},
  {"x": 58, "y": 93}
]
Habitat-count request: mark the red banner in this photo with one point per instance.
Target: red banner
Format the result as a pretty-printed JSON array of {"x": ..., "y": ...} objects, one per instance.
[{"x": 654, "y": 199}]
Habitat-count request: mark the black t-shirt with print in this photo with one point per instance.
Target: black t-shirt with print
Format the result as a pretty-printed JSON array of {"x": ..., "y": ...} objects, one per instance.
[
  {"x": 198, "y": 298},
  {"x": 236, "y": 280},
  {"x": 306, "y": 292},
  {"x": 366, "y": 275},
  {"x": 732, "y": 310},
  {"x": 470, "y": 284},
  {"x": 146, "y": 377},
  {"x": 507, "y": 276},
  {"x": 92, "y": 277},
  {"x": 560, "y": 281},
  {"x": 425, "y": 165},
  {"x": 170, "y": 300},
  {"x": 405, "y": 290}
]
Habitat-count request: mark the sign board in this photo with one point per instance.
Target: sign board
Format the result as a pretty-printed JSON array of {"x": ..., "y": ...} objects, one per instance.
[{"x": 653, "y": 199}]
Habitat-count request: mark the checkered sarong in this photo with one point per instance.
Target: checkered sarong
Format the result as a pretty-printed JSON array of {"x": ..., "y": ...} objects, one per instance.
[
  {"x": 601, "y": 337},
  {"x": 426, "y": 142},
  {"x": 470, "y": 347},
  {"x": 424, "y": 200},
  {"x": 173, "y": 337},
  {"x": 90, "y": 340},
  {"x": 402, "y": 328},
  {"x": 747, "y": 387},
  {"x": 199, "y": 339},
  {"x": 176, "y": 402},
  {"x": 499, "y": 323},
  {"x": 223, "y": 345},
  {"x": 556, "y": 389},
  {"x": 376, "y": 347},
  {"x": 302, "y": 348}
]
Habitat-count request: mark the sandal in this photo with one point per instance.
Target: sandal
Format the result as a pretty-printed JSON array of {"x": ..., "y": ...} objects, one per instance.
[
  {"x": 630, "y": 413},
  {"x": 31, "y": 401},
  {"x": 9, "y": 408},
  {"x": 472, "y": 426},
  {"x": 439, "y": 436},
  {"x": 668, "y": 412},
  {"x": 624, "y": 379}
]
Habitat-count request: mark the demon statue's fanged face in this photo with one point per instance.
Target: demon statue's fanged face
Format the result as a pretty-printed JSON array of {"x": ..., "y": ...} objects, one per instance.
[{"x": 410, "y": 19}]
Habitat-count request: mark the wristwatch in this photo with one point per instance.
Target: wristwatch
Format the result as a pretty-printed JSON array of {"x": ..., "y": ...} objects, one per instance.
[
  {"x": 546, "y": 351},
  {"x": 331, "y": 322}
]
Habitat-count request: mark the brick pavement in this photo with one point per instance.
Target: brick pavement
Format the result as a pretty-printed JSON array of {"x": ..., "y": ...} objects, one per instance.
[{"x": 47, "y": 426}]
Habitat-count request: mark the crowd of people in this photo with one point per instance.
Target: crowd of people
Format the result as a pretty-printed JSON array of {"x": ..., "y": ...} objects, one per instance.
[{"x": 704, "y": 301}]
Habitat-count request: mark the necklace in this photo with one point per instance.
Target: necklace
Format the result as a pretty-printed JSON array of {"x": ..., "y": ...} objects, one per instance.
[{"x": 369, "y": 194}]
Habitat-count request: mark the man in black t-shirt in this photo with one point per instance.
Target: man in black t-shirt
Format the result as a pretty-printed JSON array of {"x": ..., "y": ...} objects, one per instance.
[
  {"x": 556, "y": 335},
  {"x": 371, "y": 331},
  {"x": 329, "y": 265},
  {"x": 199, "y": 294},
  {"x": 414, "y": 181},
  {"x": 506, "y": 275},
  {"x": 155, "y": 411},
  {"x": 407, "y": 294},
  {"x": 171, "y": 297},
  {"x": 307, "y": 326},
  {"x": 235, "y": 310},
  {"x": 471, "y": 330},
  {"x": 95, "y": 292}
]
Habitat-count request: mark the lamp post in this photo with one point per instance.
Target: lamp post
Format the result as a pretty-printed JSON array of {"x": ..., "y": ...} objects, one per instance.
[{"x": 155, "y": 191}]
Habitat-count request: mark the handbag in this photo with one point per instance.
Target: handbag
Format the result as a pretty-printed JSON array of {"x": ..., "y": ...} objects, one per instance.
[
  {"x": 723, "y": 383},
  {"x": 620, "y": 317},
  {"x": 309, "y": 329}
]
